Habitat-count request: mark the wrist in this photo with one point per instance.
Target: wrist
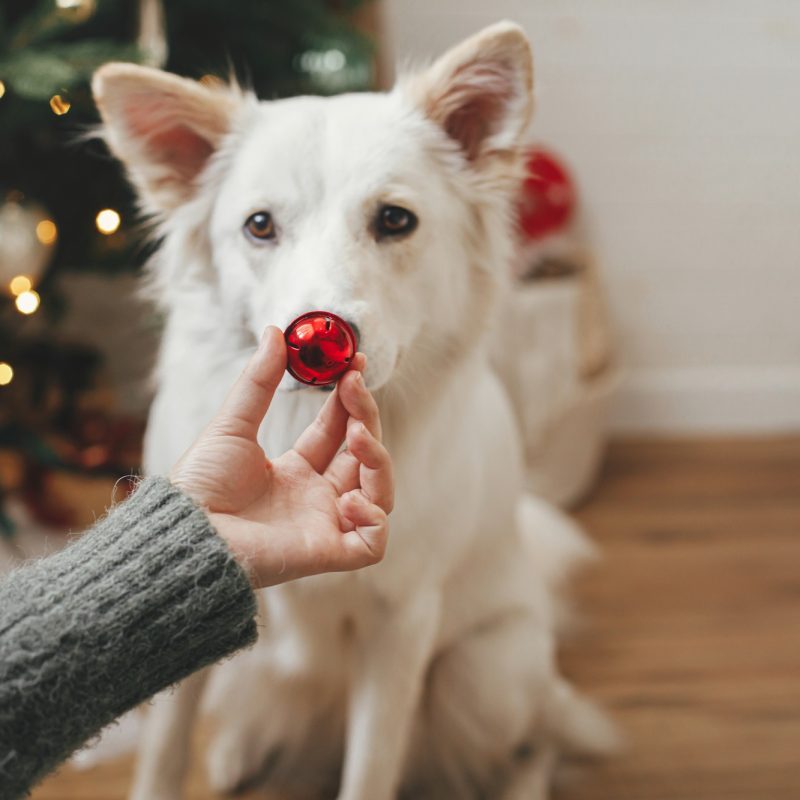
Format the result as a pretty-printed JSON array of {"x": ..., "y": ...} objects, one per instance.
[
  {"x": 184, "y": 484},
  {"x": 226, "y": 527}
]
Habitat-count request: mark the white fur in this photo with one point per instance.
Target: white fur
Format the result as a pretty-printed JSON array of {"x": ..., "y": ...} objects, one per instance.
[{"x": 427, "y": 673}]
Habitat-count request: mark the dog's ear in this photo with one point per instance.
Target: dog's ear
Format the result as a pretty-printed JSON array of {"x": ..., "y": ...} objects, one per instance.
[
  {"x": 480, "y": 92},
  {"x": 162, "y": 127}
]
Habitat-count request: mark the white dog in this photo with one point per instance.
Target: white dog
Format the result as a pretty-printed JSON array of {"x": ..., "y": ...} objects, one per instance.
[{"x": 431, "y": 674}]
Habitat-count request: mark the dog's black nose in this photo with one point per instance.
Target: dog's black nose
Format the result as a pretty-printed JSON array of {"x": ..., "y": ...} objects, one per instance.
[{"x": 356, "y": 332}]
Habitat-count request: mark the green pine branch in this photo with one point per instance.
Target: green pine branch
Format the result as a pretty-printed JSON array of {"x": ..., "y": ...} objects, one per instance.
[{"x": 38, "y": 74}]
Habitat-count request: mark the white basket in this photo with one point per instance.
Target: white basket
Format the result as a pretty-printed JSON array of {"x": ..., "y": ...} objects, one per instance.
[
  {"x": 552, "y": 349},
  {"x": 564, "y": 465}
]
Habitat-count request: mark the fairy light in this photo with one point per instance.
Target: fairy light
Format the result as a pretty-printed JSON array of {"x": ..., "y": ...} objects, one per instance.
[
  {"x": 6, "y": 373},
  {"x": 107, "y": 221},
  {"x": 2, "y": 88},
  {"x": 27, "y": 302},
  {"x": 46, "y": 231},
  {"x": 59, "y": 105},
  {"x": 212, "y": 81},
  {"x": 19, "y": 284},
  {"x": 76, "y": 10}
]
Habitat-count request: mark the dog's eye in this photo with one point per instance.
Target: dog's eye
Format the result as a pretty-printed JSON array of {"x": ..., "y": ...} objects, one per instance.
[
  {"x": 260, "y": 226},
  {"x": 394, "y": 221}
]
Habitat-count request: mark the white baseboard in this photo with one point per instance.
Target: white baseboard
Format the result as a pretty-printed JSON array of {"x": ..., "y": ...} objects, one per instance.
[{"x": 717, "y": 400}]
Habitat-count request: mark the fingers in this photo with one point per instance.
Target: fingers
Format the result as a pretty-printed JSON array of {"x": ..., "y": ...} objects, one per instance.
[
  {"x": 320, "y": 441},
  {"x": 350, "y": 412},
  {"x": 366, "y": 543},
  {"x": 247, "y": 402},
  {"x": 360, "y": 404},
  {"x": 358, "y": 401},
  {"x": 375, "y": 466},
  {"x": 359, "y": 362},
  {"x": 366, "y": 464}
]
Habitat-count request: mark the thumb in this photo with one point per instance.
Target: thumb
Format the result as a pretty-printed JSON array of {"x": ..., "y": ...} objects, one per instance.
[{"x": 247, "y": 402}]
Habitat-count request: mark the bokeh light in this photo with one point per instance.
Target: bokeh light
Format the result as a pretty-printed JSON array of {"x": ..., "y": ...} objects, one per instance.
[
  {"x": 46, "y": 231},
  {"x": 6, "y": 373},
  {"x": 108, "y": 221},
  {"x": 27, "y": 302},
  {"x": 19, "y": 284},
  {"x": 59, "y": 105}
]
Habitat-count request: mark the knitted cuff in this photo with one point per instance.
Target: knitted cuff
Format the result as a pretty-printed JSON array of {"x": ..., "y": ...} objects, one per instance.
[{"x": 148, "y": 596}]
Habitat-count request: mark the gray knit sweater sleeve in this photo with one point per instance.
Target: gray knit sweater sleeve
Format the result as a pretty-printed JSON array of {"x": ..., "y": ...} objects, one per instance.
[{"x": 146, "y": 597}]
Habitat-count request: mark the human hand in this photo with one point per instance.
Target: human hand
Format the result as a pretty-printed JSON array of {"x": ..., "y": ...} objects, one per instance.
[{"x": 313, "y": 509}]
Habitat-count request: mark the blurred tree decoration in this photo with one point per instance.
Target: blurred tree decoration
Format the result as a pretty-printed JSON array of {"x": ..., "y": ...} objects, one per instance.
[{"x": 64, "y": 205}]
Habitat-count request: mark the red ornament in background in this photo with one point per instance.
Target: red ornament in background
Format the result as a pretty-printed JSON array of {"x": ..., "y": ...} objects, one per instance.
[
  {"x": 320, "y": 347},
  {"x": 548, "y": 195}
]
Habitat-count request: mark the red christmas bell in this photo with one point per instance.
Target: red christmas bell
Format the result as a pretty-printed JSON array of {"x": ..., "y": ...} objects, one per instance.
[
  {"x": 320, "y": 346},
  {"x": 548, "y": 195}
]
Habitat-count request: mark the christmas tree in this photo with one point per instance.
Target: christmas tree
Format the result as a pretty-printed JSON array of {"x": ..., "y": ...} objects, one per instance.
[{"x": 64, "y": 205}]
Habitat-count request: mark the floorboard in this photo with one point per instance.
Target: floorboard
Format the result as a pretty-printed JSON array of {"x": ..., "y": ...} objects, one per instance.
[{"x": 690, "y": 633}]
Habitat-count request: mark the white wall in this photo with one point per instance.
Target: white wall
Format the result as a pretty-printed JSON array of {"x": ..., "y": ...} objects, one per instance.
[{"x": 681, "y": 119}]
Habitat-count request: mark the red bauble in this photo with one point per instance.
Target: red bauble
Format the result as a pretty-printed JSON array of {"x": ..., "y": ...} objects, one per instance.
[
  {"x": 548, "y": 195},
  {"x": 320, "y": 346}
]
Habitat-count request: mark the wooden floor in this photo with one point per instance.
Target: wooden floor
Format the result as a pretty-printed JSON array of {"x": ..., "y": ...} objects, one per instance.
[{"x": 692, "y": 634}]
